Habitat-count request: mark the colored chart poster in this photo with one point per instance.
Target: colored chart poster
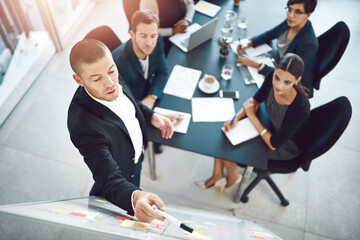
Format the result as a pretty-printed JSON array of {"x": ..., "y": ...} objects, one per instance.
[{"x": 94, "y": 214}]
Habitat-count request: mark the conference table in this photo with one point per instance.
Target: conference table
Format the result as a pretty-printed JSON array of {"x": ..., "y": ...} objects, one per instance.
[{"x": 207, "y": 137}]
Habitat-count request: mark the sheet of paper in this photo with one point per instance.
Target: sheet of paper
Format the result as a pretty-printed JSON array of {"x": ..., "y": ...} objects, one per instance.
[
  {"x": 243, "y": 131},
  {"x": 212, "y": 109},
  {"x": 182, "y": 82},
  {"x": 235, "y": 44},
  {"x": 259, "y": 78},
  {"x": 261, "y": 49},
  {"x": 183, "y": 126},
  {"x": 207, "y": 8},
  {"x": 134, "y": 225}
]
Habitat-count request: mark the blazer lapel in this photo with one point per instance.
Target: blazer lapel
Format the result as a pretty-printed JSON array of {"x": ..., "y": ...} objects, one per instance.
[
  {"x": 100, "y": 110},
  {"x": 298, "y": 37},
  {"x": 133, "y": 59}
]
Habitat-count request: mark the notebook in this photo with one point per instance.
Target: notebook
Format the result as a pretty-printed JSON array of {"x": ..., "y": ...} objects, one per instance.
[{"x": 243, "y": 131}]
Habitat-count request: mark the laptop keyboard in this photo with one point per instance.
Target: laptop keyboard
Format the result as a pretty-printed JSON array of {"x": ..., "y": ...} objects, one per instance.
[{"x": 185, "y": 42}]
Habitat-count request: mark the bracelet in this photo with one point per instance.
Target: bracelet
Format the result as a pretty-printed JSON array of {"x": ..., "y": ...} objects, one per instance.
[
  {"x": 263, "y": 132},
  {"x": 261, "y": 67}
]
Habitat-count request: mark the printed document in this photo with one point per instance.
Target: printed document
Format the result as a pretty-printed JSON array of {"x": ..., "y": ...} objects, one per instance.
[
  {"x": 259, "y": 50},
  {"x": 209, "y": 109},
  {"x": 243, "y": 131},
  {"x": 207, "y": 8},
  {"x": 183, "y": 126},
  {"x": 235, "y": 44},
  {"x": 259, "y": 78},
  {"x": 182, "y": 82}
]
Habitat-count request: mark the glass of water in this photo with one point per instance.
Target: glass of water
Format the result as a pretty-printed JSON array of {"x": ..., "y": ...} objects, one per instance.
[
  {"x": 228, "y": 26},
  {"x": 243, "y": 23},
  {"x": 227, "y": 71}
]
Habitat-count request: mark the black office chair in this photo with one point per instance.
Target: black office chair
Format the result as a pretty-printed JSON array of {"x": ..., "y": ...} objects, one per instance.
[
  {"x": 130, "y": 6},
  {"x": 106, "y": 35},
  {"x": 332, "y": 45},
  {"x": 327, "y": 124}
]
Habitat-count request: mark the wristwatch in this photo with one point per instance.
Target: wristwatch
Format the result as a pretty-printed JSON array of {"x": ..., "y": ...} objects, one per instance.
[{"x": 154, "y": 96}]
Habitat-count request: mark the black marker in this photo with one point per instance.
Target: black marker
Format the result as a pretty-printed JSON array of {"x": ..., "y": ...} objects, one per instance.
[{"x": 174, "y": 220}]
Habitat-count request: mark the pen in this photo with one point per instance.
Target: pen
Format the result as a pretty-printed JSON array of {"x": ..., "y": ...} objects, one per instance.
[
  {"x": 174, "y": 220},
  {"x": 176, "y": 120},
  {"x": 237, "y": 53},
  {"x": 232, "y": 121}
]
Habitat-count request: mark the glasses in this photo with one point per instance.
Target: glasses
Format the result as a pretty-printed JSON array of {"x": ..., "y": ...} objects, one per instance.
[{"x": 296, "y": 11}]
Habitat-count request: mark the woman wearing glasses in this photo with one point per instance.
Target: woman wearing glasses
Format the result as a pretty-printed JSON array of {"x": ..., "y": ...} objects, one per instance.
[
  {"x": 294, "y": 35},
  {"x": 288, "y": 108}
]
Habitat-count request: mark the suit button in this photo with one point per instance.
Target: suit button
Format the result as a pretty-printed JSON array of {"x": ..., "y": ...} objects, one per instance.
[{"x": 132, "y": 176}]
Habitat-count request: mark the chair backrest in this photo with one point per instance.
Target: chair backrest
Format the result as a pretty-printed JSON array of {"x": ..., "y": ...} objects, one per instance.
[
  {"x": 106, "y": 35},
  {"x": 327, "y": 124},
  {"x": 332, "y": 45},
  {"x": 130, "y": 6}
]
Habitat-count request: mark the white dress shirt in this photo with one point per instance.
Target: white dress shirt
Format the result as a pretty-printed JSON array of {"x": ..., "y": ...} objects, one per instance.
[
  {"x": 145, "y": 66},
  {"x": 125, "y": 110}
]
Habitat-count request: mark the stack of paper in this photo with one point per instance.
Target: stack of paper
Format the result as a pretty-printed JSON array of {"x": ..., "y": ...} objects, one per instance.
[
  {"x": 243, "y": 131},
  {"x": 182, "y": 82},
  {"x": 183, "y": 126},
  {"x": 207, "y": 8}
]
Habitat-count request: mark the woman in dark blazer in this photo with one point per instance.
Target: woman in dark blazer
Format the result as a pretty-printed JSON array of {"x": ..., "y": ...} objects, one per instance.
[
  {"x": 294, "y": 35},
  {"x": 288, "y": 108}
]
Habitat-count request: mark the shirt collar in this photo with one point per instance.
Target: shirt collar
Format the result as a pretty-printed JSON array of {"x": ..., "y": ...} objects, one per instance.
[{"x": 107, "y": 103}]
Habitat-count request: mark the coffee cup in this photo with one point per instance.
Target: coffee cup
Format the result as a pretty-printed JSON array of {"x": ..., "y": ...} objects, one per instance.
[{"x": 209, "y": 81}]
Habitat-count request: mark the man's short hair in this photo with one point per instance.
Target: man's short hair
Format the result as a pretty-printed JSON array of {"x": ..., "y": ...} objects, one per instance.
[
  {"x": 143, "y": 16},
  {"x": 86, "y": 51}
]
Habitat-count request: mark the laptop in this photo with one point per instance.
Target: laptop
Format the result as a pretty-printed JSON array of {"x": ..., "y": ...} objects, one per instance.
[{"x": 194, "y": 36}]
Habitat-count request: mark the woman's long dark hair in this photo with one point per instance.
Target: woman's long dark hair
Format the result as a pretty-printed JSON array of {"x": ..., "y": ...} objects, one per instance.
[{"x": 293, "y": 64}]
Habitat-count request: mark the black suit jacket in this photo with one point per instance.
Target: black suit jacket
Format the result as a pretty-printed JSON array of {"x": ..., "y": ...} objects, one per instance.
[
  {"x": 305, "y": 44},
  {"x": 131, "y": 71},
  {"x": 103, "y": 140}
]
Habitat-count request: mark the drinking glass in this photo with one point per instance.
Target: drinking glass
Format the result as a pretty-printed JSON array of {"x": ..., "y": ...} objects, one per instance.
[
  {"x": 227, "y": 71},
  {"x": 243, "y": 23},
  {"x": 228, "y": 26}
]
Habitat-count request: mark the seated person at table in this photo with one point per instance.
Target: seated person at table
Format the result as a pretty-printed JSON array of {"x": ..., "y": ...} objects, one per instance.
[
  {"x": 108, "y": 127},
  {"x": 141, "y": 60},
  {"x": 288, "y": 108},
  {"x": 175, "y": 16},
  {"x": 294, "y": 35}
]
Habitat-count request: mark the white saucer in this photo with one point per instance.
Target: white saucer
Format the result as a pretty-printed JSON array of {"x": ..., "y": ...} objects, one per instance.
[{"x": 214, "y": 89}]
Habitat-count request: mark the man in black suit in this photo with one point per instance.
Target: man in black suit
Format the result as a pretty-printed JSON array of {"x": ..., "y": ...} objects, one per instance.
[{"x": 108, "y": 127}]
